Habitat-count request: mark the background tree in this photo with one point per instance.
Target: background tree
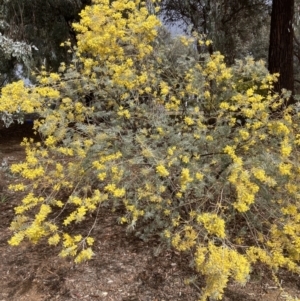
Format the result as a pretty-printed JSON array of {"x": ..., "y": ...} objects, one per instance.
[
  {"x": 11, "y": 51},
  {"x": 237, "y": 28},
  {"x": 281, "y": 48},
  {"x": 44, "y": 24},
  {"x": 296, "y": 47},
  {"x": 241, "y": 28}
]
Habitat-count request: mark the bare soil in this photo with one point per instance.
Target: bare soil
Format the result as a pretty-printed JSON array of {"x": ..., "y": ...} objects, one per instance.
[{"x": 124, "y": 268}]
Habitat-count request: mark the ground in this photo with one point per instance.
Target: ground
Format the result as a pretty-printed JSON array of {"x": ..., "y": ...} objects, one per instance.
[{"x": 124, "y": 268}]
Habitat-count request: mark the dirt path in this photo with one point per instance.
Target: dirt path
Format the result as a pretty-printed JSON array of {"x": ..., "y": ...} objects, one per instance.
[{"x": 124, "y": 268}]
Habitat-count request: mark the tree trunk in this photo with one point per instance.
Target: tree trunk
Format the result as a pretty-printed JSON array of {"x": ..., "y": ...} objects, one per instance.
[{"x": 281, "y": 45}]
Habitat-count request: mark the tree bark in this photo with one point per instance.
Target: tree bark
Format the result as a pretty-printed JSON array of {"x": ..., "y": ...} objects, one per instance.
[{"x": 281, "y": 45}]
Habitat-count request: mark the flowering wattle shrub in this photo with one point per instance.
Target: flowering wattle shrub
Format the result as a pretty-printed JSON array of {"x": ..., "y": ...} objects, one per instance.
[{"x": 190, "y": 148}]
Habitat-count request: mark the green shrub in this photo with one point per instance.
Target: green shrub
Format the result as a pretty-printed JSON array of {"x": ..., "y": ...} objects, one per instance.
[{"x": 186, "y": 145}]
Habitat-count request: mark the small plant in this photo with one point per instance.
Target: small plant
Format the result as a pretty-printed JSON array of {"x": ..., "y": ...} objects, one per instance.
[
  {"x": 188, "y": 146},
  {"x": 3, "y": 198}
]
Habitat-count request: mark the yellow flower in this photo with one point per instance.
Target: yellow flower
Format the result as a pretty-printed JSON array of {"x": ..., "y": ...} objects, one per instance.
[
  {"x": 90, "y": 241},
  {"x": 207, "y": 94},
  {"x": 54, "y": 240},
  {"x": 119, "y": 192},
  {"x": 171, "y": 150},
  {"x": 162, "y": 171},
  {"x": 185, "y": 159},
  {"x": 189, "y": 120},
  {"x": 244, "y": 134},
  {"x": 259, "y": 174},
  {"x": 199, "y": 176},
  {"x": 164, "y": 88},
  {"x": 179, "y": 194},
  {"x": 224, "y": 105},
  {"x": 212, "y": 223},
  {"x": 167, "y": 233},
  {"x": 50, "y": 141},
  {"x": 84, "y": 255},
  {"x": 208, "y": 42},
  {"x": 285, "y": 168},
  {"x": 285, "y": 149},
  {"x": 102, "y": 176},
  {"x": 16, "y": 239},
  {"x": 160, "y": 130},
  {"x": 185, "y": 178}
]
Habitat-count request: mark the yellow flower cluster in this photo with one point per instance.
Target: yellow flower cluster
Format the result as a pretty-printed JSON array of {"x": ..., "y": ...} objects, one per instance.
[
  {"x": 103, "y": 32},
  {"x": 70, "y": 247},
  {"x": 123, "y": 112},
  {"x": 116, "y": 192},
  {"x": 162, "y": 171},
  {"x": 185, "y": 178},
  {"x": 185, "y": 241},
  {"x": 213, "y": 224},
  {"x": 15, "y": 97},
  {"x": 260, "y": 174},
  {"x": 230, "y": 150},
  {"x": 218, "y": 264}
]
